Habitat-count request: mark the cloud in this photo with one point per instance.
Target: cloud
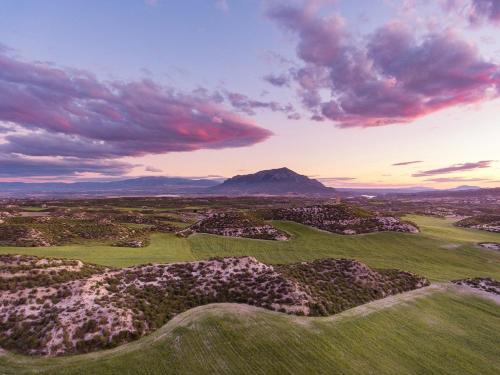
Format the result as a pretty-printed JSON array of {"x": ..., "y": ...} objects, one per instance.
[
  {"x": 6, "y": 128},
  {"x": 153, "y": 169},
  {"x": 244, "y": 104},
  {"x": 407, "y": 162},
  {"x": 277, "y": 80},
  {"x": 455, "y": 179},
  {"x": 214, "y": 177},
  {"x": 328, "y": 180},
  {"x": 474, "y": 12},
  {"x": 455, "y": 168},
  {"x": 319, "y": 39},
  {"x": 485, "y": 11},
  {"x": 390, "y": 76},
  {"x": 69, "y": 113},
  {"x": 337, "y": 178},
  {"x": 19, "y": 166}
]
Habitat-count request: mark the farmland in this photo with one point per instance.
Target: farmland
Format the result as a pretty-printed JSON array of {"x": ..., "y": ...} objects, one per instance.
[
  {"x": 452, "y": 324},
  {"x": 440, "y": 252}
]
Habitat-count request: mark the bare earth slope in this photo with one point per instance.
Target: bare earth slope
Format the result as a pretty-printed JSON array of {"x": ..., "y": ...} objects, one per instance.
[{"x": 51, "y": 307}]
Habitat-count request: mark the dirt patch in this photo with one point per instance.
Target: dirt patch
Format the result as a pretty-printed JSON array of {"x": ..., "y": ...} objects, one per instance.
[
  {"x": 450, "y": 246},
  {"x": 489, "y": 245},
  {"x": 484, "y": 287}
]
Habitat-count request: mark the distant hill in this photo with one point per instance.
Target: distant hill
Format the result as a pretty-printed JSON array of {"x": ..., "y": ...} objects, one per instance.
[
  {"x": 384, "y": 191},
  {"x": 417, "y": 190},
  {"x": 281, "y": 181},
  {"x": 464, "y": 187},
  {"x": 151, "y": 185},
  {"x": 460, "y": 193}
]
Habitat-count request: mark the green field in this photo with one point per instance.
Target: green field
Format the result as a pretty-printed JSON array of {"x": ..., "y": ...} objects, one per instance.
[
  {"x": 441, "y": 252},
  {"x": 436, "y": 331}
]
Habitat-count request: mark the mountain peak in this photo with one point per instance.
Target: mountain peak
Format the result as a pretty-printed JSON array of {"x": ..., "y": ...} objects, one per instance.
[{"x": 279, "y": 181}]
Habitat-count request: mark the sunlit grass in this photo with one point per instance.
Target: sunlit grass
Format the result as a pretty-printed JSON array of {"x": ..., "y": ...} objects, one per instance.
[
  {"x": 442, "y": 333},
  {"x": 440, "y": 252}
]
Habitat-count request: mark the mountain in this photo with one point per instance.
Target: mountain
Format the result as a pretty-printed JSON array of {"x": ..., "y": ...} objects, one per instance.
[
  {"x": 419, "y": 190},
  {"x": 281, "y": 181},
  {"x": 384, "y": 191},
  {"x": 464, "y": 187},
  {"x": 151, "y": 185}
]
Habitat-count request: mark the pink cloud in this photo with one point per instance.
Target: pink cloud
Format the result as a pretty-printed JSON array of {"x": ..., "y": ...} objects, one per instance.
[
  {"x": 390, "y": 76},
  {"x": 407, "y": 162},
  {"x": 455, "y": 168},
  {"x": 70, "y": 113},
  {"x": 335, "y": 179},
  {"x": 153, "y": 169},
  {"x": 455, "y": 179}
]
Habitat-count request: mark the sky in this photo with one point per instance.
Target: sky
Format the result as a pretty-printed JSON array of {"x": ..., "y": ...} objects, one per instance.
[{"x": 358, "y": 93}]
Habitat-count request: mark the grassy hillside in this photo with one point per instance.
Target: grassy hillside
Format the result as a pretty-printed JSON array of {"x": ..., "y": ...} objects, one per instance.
[
  {"x": 423, "y": 331},
  {"x": 441, "y": 252},
  {"x": 445, "y": 332}
]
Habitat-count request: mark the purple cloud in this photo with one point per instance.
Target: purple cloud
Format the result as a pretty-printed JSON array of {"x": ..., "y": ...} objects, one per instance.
[
  {"x": 243, "y": 103},
  {"x": 407, "y": 162},
  {"x": 485, "y": 10},
  {"x": 70, "y": 113},
  {"x": 455, "y": 179},
  {"x": 19, "y": 166},
  {"x": 475, "y": 12},
  {"x": 455, "y": 168},
  {"x": 153, "y": 169},
  {"x": 277, "y": 80},
  {"x": 319, "y": 39},
  {"x": 391, "y": 76}
]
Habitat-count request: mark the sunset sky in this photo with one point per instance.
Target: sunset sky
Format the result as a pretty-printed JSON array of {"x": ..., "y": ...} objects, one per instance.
[{"x": 357, "y": 93}]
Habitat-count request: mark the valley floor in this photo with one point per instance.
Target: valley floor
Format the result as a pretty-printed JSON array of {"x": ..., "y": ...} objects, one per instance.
[
  {"x": 441, "y": 252},
  {"x": 441, "y": 329}
]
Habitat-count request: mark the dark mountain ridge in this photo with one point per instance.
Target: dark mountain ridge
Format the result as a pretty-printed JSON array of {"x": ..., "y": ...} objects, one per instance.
[{"x": 281, "y": 181}]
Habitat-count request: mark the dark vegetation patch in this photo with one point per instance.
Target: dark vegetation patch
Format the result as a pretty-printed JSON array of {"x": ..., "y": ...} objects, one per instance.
[
  {"x": 237, "y": 224},
  {"x": 340, "y": 284},
  {"x": 341, "y": 219},
  {"x": 48, "y": 231},
  {"x": 490, "y": 223},
  {"x": 485, "y": 284}
]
